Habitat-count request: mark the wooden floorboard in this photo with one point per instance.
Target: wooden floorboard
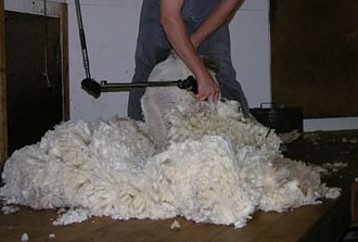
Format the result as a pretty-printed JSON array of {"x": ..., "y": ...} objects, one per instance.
[{"x": 264, "y": 227}]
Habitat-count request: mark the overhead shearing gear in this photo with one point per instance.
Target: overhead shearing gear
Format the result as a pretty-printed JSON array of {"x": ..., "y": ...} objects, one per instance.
[{"x": 95, "y": 89}]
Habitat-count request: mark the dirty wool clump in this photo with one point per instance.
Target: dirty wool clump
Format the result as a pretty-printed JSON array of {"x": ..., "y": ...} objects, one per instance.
[{"x": 203, "y": 161}]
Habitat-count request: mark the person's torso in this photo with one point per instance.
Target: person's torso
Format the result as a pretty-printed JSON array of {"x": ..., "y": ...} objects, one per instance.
[{"x": 197, "y": 10}]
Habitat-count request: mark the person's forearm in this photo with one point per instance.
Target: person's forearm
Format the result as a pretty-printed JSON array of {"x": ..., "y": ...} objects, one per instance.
[
  {"x": 221, "y": 14},
  {"x": 179, "y": 38}
]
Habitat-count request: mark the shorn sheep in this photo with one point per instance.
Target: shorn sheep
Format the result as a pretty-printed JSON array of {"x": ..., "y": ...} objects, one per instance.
[{"x": 200, "y": 160}]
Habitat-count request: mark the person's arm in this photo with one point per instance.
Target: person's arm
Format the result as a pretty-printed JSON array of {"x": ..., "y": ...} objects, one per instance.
[
  {"x": 179, "y": 38},
  {"x": 221, "y": 14}
]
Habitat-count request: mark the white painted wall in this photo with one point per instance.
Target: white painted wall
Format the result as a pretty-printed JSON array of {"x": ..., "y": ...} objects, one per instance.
[
  {"x": 34, "y": 6},
  {"x": 111, "y": 30},
  {"x": 250, "y": 39}
]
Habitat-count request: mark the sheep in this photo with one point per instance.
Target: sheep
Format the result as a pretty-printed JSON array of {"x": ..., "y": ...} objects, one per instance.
[{"x": 204, "y": 161}]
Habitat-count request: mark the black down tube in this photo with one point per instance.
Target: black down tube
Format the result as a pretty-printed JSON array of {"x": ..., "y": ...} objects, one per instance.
[{"x": 88, "y": 84}]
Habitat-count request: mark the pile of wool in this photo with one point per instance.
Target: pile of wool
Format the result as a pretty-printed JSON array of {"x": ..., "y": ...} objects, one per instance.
[
  {"x": 77, "y": 165},
  {"x": 200, "y": 160}
]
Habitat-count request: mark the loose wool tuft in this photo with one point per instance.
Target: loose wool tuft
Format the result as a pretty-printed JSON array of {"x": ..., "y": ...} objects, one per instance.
[{"x": 200, "y": 160}]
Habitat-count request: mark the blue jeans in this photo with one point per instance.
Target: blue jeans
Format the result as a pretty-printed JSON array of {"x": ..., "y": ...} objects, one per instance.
[{"x": 153, "y": 47}]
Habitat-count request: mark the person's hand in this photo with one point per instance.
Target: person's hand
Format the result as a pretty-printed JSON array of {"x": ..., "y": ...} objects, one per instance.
[{"x": 207, "y": 90}]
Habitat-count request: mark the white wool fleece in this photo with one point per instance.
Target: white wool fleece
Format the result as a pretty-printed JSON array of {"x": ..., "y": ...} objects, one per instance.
[{"x": 203, "y": 161}]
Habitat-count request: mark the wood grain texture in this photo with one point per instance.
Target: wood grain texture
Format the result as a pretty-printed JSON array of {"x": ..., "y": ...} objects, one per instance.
[
  {"x": 65, "y": 62},
  {"x": 354, "y": 202},
  {"x": 314, "y": 48},
  {"x": 3, "y": 106},
  {"x": 264, "y": 227}
]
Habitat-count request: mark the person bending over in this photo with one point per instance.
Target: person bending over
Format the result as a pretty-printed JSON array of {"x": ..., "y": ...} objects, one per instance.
[{"x": 191, "y": 28}]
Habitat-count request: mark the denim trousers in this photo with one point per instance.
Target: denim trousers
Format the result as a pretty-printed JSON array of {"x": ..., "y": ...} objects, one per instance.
[{"x": 153, "y": 48}]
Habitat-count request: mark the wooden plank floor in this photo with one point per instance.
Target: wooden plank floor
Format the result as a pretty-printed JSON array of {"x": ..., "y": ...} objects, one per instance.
[
  {"x": 290, "y": 226},
  {"x": 324, "y": 222}
]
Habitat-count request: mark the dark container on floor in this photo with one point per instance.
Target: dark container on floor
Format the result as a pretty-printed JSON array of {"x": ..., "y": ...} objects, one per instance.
[{"x": 278, "y": 117}]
